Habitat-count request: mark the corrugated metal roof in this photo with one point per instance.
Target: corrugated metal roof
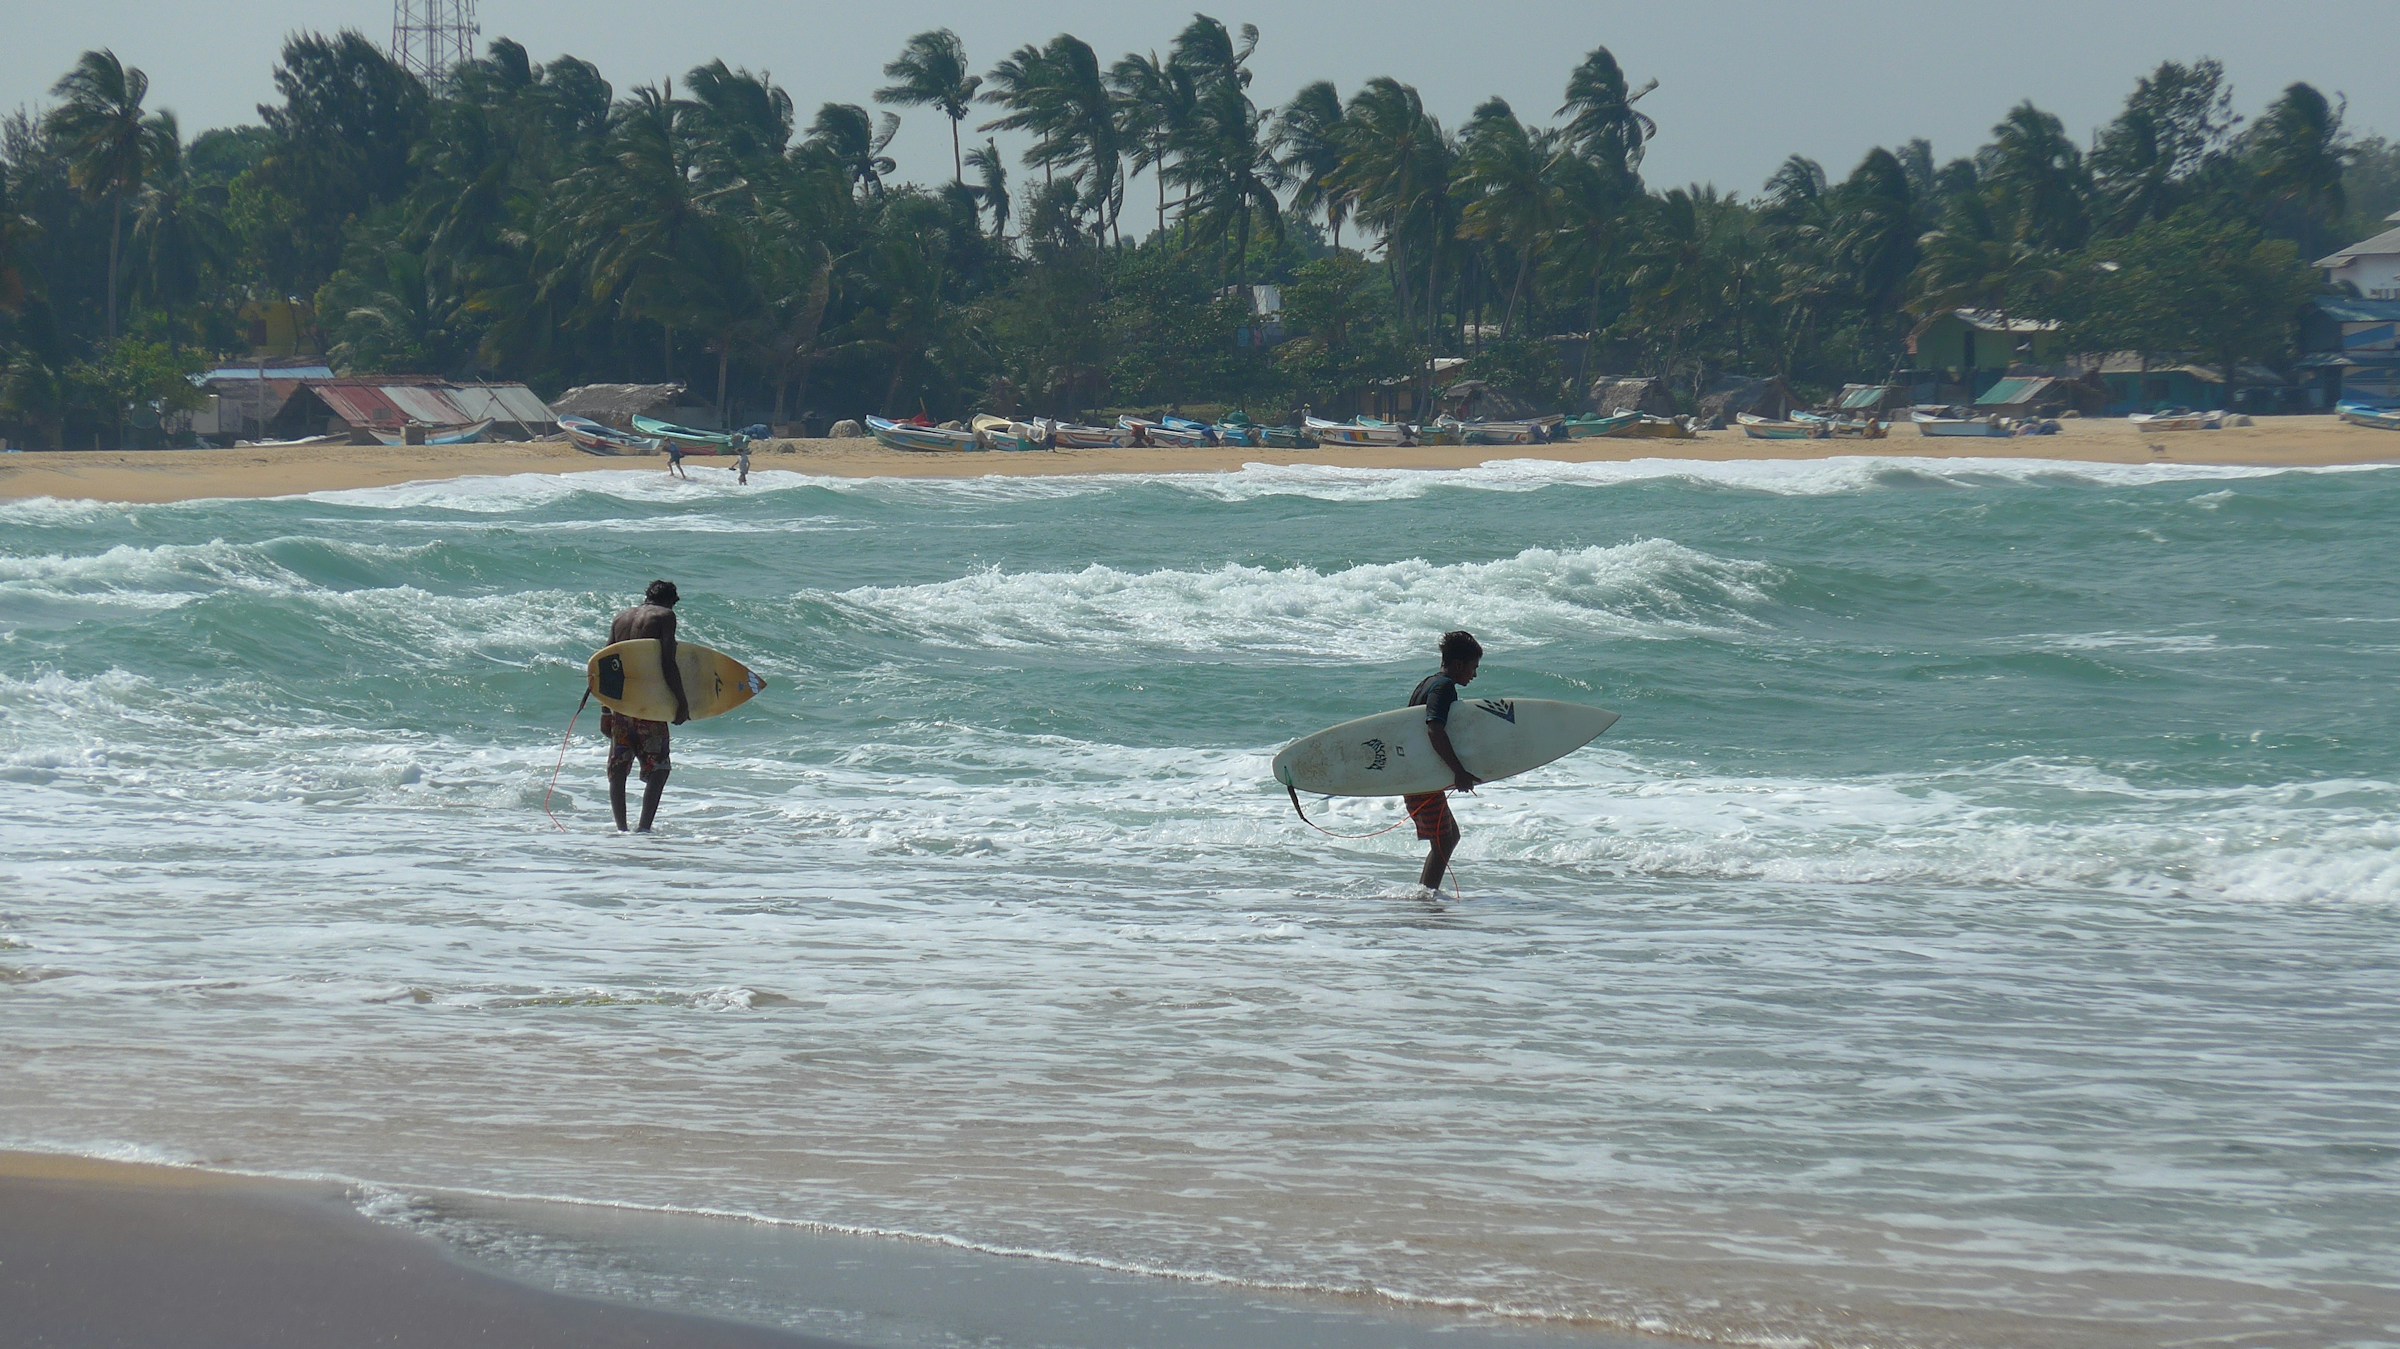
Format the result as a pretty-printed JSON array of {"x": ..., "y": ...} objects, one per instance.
[
  {"x": 2019, "y": 389},
  {"x": 358, "y": 404},
  {"x": 501, "y": 403},
  {"x": 2382, "y": 245},
  {"x": 1863, "y": 396}
]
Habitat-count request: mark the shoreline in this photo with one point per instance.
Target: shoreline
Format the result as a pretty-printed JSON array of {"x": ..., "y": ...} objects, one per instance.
[
  {"x": 141, "y": 1255},
  {"x": 152, "y": 477}
]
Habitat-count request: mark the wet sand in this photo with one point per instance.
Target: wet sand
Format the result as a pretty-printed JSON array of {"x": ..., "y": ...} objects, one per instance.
[
  {"x": 105, "y": 1255},
  {"x": 184, "y": 475},
  {"x": 112, "y": 1255}
]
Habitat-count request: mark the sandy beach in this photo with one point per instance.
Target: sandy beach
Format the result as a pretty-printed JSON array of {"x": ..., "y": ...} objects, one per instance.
[
  {"x": 184, "y": 475},
  {"x": 113, "y": 1254}
]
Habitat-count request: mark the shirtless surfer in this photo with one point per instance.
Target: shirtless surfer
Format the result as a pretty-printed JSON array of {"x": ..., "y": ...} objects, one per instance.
[
  {"x": 1437, "y": 693},
  {"x": 630, "y": 738}
]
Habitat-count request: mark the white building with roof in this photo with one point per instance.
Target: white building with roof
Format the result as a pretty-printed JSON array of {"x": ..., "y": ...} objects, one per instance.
[{"x": 2371, "y": 265}]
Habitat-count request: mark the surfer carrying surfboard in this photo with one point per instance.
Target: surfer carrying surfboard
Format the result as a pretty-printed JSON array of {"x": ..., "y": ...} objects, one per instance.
[
  {"x": 631, "y": 738},
  {"x": 1437, "y": 693}
]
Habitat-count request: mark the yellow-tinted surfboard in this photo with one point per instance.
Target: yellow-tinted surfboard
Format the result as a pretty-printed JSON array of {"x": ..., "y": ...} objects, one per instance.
[{"x": 629, "y": 678}]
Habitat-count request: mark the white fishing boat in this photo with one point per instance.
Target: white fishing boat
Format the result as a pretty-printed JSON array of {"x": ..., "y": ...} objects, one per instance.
[
  {"x": 1073, "y": 436},
  {"x": 1004, "y": 433},
  {"x": 1769, "y": 428},
  {"x": 1957, "y": 422},
  {"x": 2177, "y": 419},
  {"x": 2366, "y": 414},
  {"x": 1188, "y": 435},
  {"x": 592, "y": 437},
  {"x": 1364, "y": 432},
  {"x": 921, "y": 439},
  {"x": 1842, "y": 428}
]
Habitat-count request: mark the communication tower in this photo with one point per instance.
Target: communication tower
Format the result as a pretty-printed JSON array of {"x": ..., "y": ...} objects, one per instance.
[{"x": 431, "y": 36}]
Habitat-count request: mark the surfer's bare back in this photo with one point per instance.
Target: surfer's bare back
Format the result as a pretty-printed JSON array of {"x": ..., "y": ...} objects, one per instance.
[{"x": 631, "y": 738}]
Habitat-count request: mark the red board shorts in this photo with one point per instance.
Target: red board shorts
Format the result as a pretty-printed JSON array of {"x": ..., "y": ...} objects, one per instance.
[
  {"x": 630, "y": 738},
  {"x": 1431, "y": 811}
]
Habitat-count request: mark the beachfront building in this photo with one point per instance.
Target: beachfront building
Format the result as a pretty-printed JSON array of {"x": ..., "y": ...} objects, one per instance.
[
  {"x": 1963, "y": 352},
  {"x": 289, "y": 401},
  {"x": 2369, "y": 268},
  {"x": 2134, "y": 381},
  {"x": 2351, "y": 351}
]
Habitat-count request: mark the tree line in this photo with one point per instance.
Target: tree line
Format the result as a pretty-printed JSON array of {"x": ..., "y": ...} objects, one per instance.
[{"x": 521, "y": 220}]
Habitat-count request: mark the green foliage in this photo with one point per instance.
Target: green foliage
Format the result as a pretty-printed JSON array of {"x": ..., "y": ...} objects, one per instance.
[
  {"x": 524, "y": 220},
  {"x": 2193, "y": 282}
]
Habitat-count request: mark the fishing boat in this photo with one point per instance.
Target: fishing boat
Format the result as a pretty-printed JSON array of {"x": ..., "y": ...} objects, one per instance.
[
  {"x": 1364, "y": 432},
  {"x": 303, "y": 443},
  {"x": 1589, "y": 426},
  {"x": 920, "y": 439},
  {"x": 1956, "y": 422},
  {"x": 1187, "y": 435},
  {"x": 1768, "y": 428},
  {"x": 593, "y": 438},
  {"x": 1650, "y": 427},
  {"x": 2367, "y": 414},
  {"x": 1452, "y": 431},
  {"x": 1285, "y": 437},
  {"x": 454, "y": 435},
  {"x": 1236, "y": 433},
  {"x": 1841, "y": 428},
  {"x": 1002, "y": 433},
  {"x": 2177, "y": 419},
  {"x": 1207, "y": 432},
  {"x": 687, "y": 439},
  {"x": 1070, "y": 436}
]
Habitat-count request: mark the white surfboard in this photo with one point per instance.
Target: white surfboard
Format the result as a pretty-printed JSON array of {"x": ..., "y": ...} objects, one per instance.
[{"x": 1390, "y": 754}]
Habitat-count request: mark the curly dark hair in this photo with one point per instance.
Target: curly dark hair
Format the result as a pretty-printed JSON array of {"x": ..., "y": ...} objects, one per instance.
[
  {"x": 1460, "y": 646},
  {"x": 664, "y": 595}
]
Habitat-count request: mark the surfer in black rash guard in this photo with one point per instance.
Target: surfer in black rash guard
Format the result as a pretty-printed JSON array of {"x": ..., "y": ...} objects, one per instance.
[
  {"x": 631, "y": 738},
  {"x": 1437, "y": 693}
]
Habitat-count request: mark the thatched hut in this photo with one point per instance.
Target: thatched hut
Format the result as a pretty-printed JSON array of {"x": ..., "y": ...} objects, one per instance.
[
  {"x": 615, "y": 404},
  {"x": 1634, "y": 393},
  {"x": 1733, "y": 395}
]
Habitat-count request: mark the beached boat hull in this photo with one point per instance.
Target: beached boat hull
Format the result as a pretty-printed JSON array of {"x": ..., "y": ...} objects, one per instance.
[
  {"x": 1595, "y": 428},
  {"x": 1163, "y": 436},
  {"x": 1842, "y": 428},
  {"x": 1654, "y": 428},
  {"x": 593, "y": 438},
  {"x": 457, "y": 435},
  {"x": 1000, "y": 433},
  {"x": 2177, "y": 421},
  {"x": 1964, "y": 427},
  {"x": 1356, "y": 435},
  {"x": 921, "y": 439},
  {"x": 690, "y": 440},
  {"x": 1767, "y": 428},
  {"x": 1066, "y": 436},
  {"x": 2359, "y": 414}
]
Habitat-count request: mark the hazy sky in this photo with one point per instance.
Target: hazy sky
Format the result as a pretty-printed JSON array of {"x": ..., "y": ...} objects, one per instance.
[{"x": 1742, "y": 83}]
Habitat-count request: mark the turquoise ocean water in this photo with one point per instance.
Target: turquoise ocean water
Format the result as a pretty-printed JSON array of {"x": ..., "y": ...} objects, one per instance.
[{"x": 1980, "y": 929}]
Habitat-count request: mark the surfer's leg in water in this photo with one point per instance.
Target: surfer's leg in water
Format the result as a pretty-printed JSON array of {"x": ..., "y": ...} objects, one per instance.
[
  {"x": 631, "y": 739},
  {"x": 1437, "y": 826}
]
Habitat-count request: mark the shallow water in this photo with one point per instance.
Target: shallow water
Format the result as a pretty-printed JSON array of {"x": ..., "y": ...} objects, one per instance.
[{"x": 1980, "y": 928}]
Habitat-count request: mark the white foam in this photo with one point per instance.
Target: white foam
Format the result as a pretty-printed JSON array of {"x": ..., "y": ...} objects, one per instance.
[{"x": 1378, "y": 611}]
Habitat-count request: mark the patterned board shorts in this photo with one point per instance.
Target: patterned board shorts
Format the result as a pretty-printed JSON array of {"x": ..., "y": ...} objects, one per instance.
[
  {"x": 630, "y": 738},
  {"x": 1431, "y": 811}
]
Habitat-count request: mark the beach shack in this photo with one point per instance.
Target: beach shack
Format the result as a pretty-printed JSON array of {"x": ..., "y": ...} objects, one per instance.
[
  {"x": 2350, "y": 351},
  {"x": 1732, "y": 395},
  {"x": 1630, "y": 393},
  {"x": 2369, "y": 268},
  {"x": 367, "y": 408},
  {"x": 1976, "y": 348}
]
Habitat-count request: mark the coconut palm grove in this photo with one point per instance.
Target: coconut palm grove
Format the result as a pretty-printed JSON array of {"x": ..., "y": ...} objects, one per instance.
[{"x": 1095, "y": 238}]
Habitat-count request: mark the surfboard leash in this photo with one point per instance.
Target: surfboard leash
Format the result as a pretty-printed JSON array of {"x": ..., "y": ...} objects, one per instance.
[
  {"x": 562, "y": 756},
  {"x": 1458, "y": 892},
  {"x": 1296, "y": 810}
]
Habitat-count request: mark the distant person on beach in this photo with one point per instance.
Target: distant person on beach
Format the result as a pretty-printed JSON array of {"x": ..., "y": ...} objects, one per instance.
[
  {"x": 631, "y": 738},
  {"x": 741, "y": 465},
  {"x": 675, "y": 461},
  {"x": 1437, "y": 693}
]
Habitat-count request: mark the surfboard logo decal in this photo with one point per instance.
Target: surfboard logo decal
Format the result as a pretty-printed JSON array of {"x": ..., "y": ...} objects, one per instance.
[
  {"x": 1375, "y": 747},
  {"x": 1506, "y": 711}
]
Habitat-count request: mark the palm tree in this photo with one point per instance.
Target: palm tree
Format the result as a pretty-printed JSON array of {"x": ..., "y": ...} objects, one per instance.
[
  {"x": 1155, "y": 103},
  {"x": 109, "y": 144},
  {"x": 1602, "y": 123},
  {"x": 1058, "y": 93},
  {"x": 931, "y": 72},
  {"x": 1398, "y": 165},
  {"x": 1508, "y": 176},
  {"x": 2297, "y": 151},
  {"x": 992, "y": 189},
  {"x": 2037, "y": 181},
  {"x": 1308, "y": 134},
  {"x": 1224, "y": 159},
  {"x": 740, "y": 121},
  {"x": 846, "y": 134},
  {"x": 179, "y": 230}
]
